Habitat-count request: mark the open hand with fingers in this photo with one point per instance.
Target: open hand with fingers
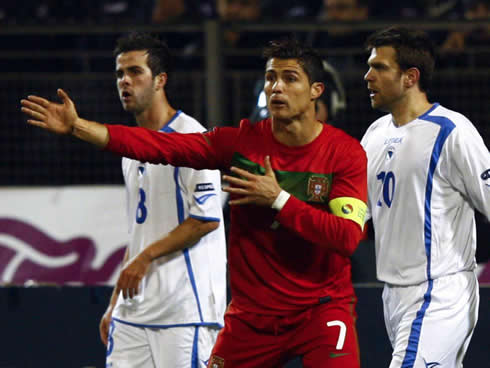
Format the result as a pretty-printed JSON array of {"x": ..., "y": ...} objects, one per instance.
[
  {"x": 261, "y": 190},
  {"x": 52, "y": 116},
  {"x": 131, "y": 275}
]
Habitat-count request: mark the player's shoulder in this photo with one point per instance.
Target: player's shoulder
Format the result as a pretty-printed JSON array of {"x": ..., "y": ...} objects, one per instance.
[
  {"x": 183, "y": 123},
  {"x": 339, "y": 136},
  {"x": 458, "y": 126},
  {"x": 341, "y": 141},
  {"x": 254, "y": 129},
  {"x": 447, "y": 117}
]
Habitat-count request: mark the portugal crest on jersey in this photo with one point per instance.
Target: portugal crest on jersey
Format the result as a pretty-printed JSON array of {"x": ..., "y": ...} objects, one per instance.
[{"x": 317, "y": 188}]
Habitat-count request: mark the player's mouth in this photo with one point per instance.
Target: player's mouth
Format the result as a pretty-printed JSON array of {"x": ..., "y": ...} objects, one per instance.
[
  {"x": 372, "y": 92},
  {"x": 277, "y": 103},
  {"x": 125, "y": 95}
]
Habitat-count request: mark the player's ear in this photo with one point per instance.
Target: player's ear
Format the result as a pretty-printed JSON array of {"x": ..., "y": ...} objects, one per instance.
[
  {"x": 316, "y": 90},
  {"x": 161, "y": 81},
  {"x": 412, "y": 77}
]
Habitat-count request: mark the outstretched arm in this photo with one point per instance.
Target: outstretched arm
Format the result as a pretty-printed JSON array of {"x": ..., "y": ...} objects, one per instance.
[
  {"x": 212, "y": 150},
  {"x": 62, "y": 118}
]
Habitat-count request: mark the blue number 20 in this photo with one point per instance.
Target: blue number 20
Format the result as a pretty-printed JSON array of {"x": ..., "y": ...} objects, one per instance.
[
  {"x": 388, "y": 180},
  {"x": 141, "y": 211}
]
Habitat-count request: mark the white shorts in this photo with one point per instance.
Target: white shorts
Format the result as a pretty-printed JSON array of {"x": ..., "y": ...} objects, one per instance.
[
  {"x": 430, "y": 325},
  {"x": 143, "y": 347}
]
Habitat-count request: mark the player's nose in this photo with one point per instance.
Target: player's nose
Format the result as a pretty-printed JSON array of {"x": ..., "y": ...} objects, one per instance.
[{"x": 368, "y": 76}]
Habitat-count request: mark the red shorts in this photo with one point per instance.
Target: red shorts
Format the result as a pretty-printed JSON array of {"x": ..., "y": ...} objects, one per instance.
[{"x": 324, "y": 336}]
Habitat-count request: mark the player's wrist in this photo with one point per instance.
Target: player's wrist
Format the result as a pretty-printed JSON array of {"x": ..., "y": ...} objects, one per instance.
[
  {"x": 280, "y": 200},
  {"x": 145, "y": 257},
  {"x": 76, "y": 125},
  {"x": 90, "y": 131}
]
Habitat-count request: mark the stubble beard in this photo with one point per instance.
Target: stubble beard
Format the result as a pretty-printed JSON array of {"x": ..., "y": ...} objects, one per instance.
[{"x": 139, "y": 105}]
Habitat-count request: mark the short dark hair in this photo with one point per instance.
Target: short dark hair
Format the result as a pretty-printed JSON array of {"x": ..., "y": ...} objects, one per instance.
[
  {"x": 413, "y": 49},
  {"x": 159, "y": 56},
  {"x": 290, "y": 48}
]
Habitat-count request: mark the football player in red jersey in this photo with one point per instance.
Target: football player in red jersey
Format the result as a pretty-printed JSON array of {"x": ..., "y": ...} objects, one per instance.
[{"x": 298, "y": 201}]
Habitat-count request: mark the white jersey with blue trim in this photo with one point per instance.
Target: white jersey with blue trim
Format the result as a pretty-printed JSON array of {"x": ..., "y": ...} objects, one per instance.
[
  {"x": 425, "y": 179},
  {"x": 187, "y": 287}
]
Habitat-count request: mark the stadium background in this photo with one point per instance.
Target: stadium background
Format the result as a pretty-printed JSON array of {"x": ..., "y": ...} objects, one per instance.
[{"x": 57, "y": 326}]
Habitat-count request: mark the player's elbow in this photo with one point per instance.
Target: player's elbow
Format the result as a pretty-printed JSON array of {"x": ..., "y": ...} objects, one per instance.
[
  {"x": 205, "y": 227},
  {"x": 349, "y": 239},
  {"x": 351, "y": 246},
  {"x": 200, "y": 226},
  {"x": 211, "y": 226}
]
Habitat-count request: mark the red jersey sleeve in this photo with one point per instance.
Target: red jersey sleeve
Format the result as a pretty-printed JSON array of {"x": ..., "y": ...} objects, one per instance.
[
  {"x": 210, "y": 150},
  {"x": 323, "y": 228}
]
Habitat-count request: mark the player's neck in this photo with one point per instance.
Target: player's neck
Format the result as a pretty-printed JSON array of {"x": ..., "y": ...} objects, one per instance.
[
  {"x": 410, "y": 108},
  {"x": 156, "y": 116},
  {"x": 297, "y": 132}
]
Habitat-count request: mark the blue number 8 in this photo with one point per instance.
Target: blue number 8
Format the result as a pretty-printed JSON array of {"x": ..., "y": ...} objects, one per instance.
[
  {"x": 141, "y": 211},
  {"x": 388, "y": 181},
  {"x": 110, "y": 339}
]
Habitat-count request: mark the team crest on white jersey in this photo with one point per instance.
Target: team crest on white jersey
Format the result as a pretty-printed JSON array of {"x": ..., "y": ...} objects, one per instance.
[{"x": 390, "y": 152}]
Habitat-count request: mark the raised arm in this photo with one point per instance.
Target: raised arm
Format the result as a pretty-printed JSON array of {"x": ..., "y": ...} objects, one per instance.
[
  {"x": 62, "y": 118},
  {"x": 212, "y": 150}
]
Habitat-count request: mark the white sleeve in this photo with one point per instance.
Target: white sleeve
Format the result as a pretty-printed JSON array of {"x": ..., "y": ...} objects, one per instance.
[
  {"x": 124, "y": 169},
  {"x": 467, "y": 166},
  {"x": 202, "y": 193},
  {"x": 364, "y": 142}
]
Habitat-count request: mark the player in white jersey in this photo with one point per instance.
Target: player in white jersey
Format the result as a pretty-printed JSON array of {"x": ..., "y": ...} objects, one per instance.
[
  {"x": 428, "y": 169},
  {"x": 169, "y": 301}
]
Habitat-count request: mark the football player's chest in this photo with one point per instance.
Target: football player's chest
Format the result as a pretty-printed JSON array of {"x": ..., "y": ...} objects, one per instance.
[{"x": 404, "y": 152}]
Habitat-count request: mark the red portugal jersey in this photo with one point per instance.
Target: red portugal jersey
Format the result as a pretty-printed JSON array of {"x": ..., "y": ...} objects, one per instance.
[{"x": 279, "y": 262}]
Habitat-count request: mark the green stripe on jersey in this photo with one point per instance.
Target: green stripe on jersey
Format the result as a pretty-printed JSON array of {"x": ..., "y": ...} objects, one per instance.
[{"x": 306, "y": 186}]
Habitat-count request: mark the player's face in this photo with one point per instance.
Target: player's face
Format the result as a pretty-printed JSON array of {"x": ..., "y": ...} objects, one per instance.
[
  {"x": 135, "y": 83},
  {"x": 287, "y": 89},
  {"x": 384, "y": 79}
]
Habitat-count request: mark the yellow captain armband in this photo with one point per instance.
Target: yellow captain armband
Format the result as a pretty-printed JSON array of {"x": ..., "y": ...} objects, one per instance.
[{"x": 349, "y": 208}]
